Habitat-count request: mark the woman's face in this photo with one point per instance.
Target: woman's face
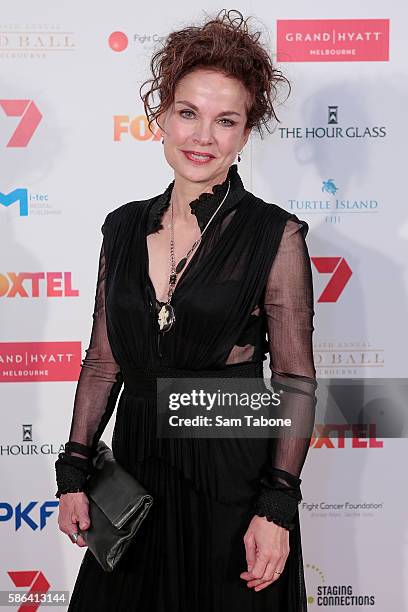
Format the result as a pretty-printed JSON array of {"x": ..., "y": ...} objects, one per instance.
[{"x": 208, "y": 117}]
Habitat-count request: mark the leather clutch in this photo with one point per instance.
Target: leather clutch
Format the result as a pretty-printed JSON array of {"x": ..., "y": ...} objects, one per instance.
[{"x": 118, "y": 504}]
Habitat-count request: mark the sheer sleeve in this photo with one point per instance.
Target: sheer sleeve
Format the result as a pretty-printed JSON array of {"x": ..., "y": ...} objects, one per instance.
[
  {"x": 288, "y": 307},
  {"x": 96, "y": 393}
]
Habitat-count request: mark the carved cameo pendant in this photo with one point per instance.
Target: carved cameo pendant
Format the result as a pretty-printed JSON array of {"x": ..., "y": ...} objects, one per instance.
[{"x": 166, "y": 317}]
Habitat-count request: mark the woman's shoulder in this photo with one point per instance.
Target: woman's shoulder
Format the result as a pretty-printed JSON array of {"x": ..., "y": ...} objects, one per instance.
[
  {"x": 274, "y": 212},
  {"x": 122, "y": 215}
]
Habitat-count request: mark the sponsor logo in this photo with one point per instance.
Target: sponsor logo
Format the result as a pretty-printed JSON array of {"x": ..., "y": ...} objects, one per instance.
[
  {"x": 37, "y": 284},
  {"x": 28, "y": 203},
  {"x": 334, "y": 435},
  {"x": 31, "y": 514},
  {"x": 39, "y": 361},
  {"x": 321, "y": 592},
  {"x": 346, "y": 359},
  {"x": 340, "y": 273},
  {"x": 30, "y": 119},
  {"x": 18, "y": 195},
  {"x": 28, "y": 447},
  {"x": 333, "y": 207},
  {"x": 345, "y": 509},
  {"x": 118, "y": 41},
  {"x": 333, "y": 129},
  {"x": 333, "y": 40},
  {"x": 137, "y": 128},
  {"x": 30, "y": 42}
]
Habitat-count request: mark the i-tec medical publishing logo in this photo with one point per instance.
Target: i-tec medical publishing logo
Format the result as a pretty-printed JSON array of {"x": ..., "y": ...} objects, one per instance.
[
  {"x": 27, "y": 203},
  {"x": 333, "y": 40}
]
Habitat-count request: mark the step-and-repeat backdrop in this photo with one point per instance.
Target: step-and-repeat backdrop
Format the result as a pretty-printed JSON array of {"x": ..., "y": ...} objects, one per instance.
[{"x": 74, "y": 145}]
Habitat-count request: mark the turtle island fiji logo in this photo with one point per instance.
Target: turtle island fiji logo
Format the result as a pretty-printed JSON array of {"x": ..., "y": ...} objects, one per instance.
[
  {"x": 330, "y": 202},
  {"x": 334, "y": 129},
  {"x": 322, "y": 593}
]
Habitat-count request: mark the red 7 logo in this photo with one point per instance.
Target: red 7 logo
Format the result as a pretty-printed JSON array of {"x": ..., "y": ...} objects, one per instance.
[
  {"x": 341, "y": 273},
  {"x": 33, "y": 578},
  {"x": 30, "y": 118}
]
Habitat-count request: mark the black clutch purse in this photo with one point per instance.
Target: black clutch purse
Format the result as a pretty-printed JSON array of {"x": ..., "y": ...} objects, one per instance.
[{"x": 118, "y": 504}]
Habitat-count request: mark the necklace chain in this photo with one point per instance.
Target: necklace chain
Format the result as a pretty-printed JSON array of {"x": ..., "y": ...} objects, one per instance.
[
  {"x": 174, "y": 273},
  {"x": 166, "y": 316}
]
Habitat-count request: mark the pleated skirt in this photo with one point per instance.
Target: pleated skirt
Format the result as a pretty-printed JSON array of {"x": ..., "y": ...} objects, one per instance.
[{"x": 189, "y": 552}]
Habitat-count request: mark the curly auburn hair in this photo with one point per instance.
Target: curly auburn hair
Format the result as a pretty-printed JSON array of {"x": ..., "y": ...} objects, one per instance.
[{"x": 224, "y": 44}]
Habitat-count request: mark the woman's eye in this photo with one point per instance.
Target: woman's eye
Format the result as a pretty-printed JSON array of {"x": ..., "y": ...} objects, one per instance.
[
  {"x": 229, "y": 121},
  {"x": 228, "y": 124}
]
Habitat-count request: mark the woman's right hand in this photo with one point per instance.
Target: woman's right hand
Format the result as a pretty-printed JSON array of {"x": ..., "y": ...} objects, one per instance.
[{"x": 74, "y": 509}]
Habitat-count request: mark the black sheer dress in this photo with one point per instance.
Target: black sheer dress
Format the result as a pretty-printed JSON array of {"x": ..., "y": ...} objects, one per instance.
[{"x": 246, "y": 292}]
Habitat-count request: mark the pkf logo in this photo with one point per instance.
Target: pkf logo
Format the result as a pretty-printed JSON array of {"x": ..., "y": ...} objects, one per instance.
[
  {"x": 340, "y": 271},
  {"x": 30, "y": 119},
  {"x": 333, "y": 40}
]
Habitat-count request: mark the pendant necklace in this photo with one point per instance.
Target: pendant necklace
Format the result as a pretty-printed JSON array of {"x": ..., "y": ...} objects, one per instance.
[{"x": 166, "y": 315}]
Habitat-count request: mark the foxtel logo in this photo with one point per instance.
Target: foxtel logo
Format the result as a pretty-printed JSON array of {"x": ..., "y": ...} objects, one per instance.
[
  {"x": 360, "y": 435},
  {"x": 30, "y": 119},
  {"x": 340, "y": 275},
  {"x": 37, "y": 284}
]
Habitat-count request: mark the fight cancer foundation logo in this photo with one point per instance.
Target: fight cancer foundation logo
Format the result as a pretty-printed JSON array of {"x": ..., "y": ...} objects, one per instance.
[{"x": 333, "y": 40}]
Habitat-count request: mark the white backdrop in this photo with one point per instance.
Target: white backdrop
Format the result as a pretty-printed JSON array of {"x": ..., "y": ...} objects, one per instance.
[{"x": 73, "y": 143}]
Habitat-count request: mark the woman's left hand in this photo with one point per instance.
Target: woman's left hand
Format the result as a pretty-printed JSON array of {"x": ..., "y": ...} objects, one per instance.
[{"x": 267, "y": 548}]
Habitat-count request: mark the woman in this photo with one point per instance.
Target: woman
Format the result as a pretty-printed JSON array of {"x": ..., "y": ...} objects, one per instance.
[{"x": 224, "y": 528}]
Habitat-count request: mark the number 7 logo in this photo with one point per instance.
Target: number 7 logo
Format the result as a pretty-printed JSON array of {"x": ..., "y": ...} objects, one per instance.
[
  {"x": 30, "y": 578},
  {"x": 30, "y": 118},
  {"x": 341, "y": 273}
]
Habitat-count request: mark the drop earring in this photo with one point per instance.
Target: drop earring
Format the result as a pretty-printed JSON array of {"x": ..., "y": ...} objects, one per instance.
[
  {"x": 162, "y": 140},
  {"x": 239, "y": 156}
]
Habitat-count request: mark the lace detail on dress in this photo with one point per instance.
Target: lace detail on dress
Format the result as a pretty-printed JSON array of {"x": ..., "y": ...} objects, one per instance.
[
  {"x": 279, "y": 498},
  {"x": 202, "y": 207}
]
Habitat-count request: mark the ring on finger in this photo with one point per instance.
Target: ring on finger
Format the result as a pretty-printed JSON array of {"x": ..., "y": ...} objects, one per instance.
[{"x": 73, "y": 537}]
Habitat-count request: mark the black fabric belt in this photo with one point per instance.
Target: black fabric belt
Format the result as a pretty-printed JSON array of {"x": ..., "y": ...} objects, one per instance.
[{"x": 142, "y": 381}]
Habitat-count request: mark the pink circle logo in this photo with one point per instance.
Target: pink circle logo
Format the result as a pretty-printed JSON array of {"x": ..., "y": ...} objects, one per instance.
[{"x": 118, "y": 41}]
